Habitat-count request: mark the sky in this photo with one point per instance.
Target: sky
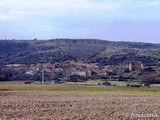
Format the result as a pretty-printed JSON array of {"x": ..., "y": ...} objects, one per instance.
[{"x": 114, "y": 20}]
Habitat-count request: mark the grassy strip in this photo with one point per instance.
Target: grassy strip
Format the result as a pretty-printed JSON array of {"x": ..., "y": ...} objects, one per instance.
[{"x": 79, "y": 88}]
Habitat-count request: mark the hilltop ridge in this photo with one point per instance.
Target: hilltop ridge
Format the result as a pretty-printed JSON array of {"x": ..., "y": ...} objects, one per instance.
[{"x": 87, "y": 50}]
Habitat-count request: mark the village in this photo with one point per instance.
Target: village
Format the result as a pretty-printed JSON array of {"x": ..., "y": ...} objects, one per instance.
[{"x": 71, "y": 71}]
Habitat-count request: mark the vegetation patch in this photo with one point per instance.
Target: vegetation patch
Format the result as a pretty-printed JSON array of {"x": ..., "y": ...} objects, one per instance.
[{"x": 80, "y": 88}]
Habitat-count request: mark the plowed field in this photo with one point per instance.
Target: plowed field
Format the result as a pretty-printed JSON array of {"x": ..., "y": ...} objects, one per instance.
[{"x": 78, "y": 105}]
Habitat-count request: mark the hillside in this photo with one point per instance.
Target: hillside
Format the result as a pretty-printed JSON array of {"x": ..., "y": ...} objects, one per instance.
[{"x": 97, "y": 51}]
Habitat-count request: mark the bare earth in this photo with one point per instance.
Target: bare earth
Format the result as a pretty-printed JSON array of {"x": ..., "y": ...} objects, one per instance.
[{"x": 78, "y": 105}]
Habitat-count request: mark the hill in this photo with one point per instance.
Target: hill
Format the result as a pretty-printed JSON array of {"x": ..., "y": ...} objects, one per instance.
[{"x": 95, "y": 51}]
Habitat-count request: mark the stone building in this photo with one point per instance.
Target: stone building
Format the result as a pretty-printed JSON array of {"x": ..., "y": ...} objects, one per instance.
[{"x": 135, "y": 66}]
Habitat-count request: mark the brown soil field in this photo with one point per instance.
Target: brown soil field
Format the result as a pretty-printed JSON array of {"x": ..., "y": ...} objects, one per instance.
[{"x": 78, "y": 106}]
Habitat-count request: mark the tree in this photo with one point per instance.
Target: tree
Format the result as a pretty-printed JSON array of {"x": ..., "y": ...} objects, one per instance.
[{"x": 74, "y": 78}]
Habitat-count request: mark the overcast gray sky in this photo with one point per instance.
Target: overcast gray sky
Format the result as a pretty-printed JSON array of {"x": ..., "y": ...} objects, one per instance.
[{"x": 118, "y": 20}]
